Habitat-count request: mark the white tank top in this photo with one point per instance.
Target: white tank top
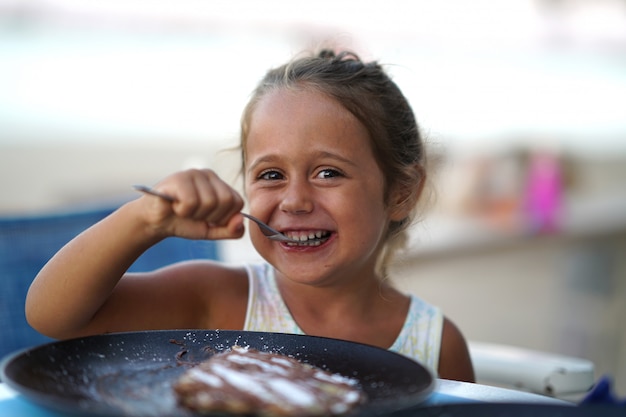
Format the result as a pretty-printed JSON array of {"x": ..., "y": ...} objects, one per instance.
[{"x": 419, "y": 339}]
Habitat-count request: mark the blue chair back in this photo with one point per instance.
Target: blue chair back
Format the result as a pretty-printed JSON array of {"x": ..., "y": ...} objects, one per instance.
[{"x": 28, "y": 242}]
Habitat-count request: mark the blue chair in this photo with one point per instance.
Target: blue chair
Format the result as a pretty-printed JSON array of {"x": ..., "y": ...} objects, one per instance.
[{"x": 28, "y": 242}]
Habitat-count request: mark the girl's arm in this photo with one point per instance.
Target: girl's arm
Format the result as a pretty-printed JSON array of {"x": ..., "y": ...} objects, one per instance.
[
  {"x": 79, "y": 291},
  {"x": 454, "y": 360}
]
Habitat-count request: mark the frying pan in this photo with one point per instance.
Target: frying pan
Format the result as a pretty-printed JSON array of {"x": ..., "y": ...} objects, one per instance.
[{"x": 131, "y": 374}]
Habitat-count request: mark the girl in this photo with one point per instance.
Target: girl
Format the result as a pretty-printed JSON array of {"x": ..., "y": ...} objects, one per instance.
[{"x": 331, "y": 155}]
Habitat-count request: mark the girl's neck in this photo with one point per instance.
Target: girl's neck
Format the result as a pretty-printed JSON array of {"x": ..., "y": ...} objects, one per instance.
[{"x": 371, "y": 312}]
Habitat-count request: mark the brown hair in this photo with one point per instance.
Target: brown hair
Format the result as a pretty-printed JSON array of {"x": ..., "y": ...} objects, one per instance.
[{"x": 368, "y": 92}]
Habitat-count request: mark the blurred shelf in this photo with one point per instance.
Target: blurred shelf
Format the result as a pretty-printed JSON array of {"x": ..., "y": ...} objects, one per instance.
[{"x": 582, "y": 218}]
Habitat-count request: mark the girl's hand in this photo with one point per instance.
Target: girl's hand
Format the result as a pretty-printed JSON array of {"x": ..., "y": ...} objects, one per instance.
[{"x": 205, "y": 207}]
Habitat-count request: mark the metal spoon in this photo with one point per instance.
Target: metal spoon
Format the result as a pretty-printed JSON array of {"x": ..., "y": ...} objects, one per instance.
[{"x": 269, "y": 232}]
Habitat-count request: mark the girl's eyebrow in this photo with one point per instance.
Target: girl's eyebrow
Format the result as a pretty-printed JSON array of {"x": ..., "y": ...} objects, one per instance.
[
  {"x": 337, "y": 157},
  {"x": 273, "y": 158},
  {"x": 264, "y": 159}
]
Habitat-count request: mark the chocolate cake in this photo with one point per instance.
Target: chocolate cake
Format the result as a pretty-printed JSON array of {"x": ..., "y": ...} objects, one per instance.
[{"x": 247, "y": 381}]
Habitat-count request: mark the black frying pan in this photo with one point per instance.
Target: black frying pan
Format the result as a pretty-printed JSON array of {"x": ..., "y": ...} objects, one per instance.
[{"x": 131, "y": 374}]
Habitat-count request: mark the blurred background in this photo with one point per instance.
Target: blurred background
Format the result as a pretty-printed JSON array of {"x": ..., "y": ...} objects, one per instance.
[{"x": 522, "y": 103}]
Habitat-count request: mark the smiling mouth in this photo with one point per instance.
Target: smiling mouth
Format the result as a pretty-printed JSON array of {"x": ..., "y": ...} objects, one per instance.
[{"x": 311, "y": 238}]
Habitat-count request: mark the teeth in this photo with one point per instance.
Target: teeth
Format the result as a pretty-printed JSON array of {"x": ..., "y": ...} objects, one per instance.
[
  {"x": 307, "y": 243},
  {"x": 308, "y": 239}
]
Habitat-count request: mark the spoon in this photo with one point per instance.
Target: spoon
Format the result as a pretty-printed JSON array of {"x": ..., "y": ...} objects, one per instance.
[{"x": 268, "y": 231}]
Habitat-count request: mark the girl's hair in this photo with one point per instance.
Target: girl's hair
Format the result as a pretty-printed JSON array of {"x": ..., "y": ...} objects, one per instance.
[{"x": 368, "y": 93}]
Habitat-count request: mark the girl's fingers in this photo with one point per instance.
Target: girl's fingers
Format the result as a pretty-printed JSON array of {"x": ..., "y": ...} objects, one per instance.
[
  {"x": 218, "y": 200},
  {"x": 234, "y": 229},
  {"x": 204, "y": 206}
]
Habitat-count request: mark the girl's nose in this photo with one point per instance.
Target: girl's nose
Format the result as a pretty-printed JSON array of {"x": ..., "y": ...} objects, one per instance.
[{"x": 297, "y": 198}]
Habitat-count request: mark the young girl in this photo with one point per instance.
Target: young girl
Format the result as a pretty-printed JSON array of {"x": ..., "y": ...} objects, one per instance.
[{"x": 332, "y": 156}]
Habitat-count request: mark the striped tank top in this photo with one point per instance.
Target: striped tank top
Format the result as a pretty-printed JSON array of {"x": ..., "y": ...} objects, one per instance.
[{"x": 419, "y": 339}]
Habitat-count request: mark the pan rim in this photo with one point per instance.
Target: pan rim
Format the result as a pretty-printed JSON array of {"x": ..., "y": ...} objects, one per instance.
[{"x": 51, "y": 400}]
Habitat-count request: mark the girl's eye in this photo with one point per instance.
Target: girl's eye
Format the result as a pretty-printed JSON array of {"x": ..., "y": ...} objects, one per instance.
[
  {"x": 329, "y": 173},
  {"x": 271, "y": 176}
]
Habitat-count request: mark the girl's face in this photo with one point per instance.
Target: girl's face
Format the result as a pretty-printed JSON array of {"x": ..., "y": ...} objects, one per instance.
[{"x": 310, "y": 172}]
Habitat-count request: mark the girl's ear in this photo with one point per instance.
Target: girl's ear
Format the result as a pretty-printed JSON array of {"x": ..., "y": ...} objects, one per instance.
[{"x": 405, "y": 194}]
